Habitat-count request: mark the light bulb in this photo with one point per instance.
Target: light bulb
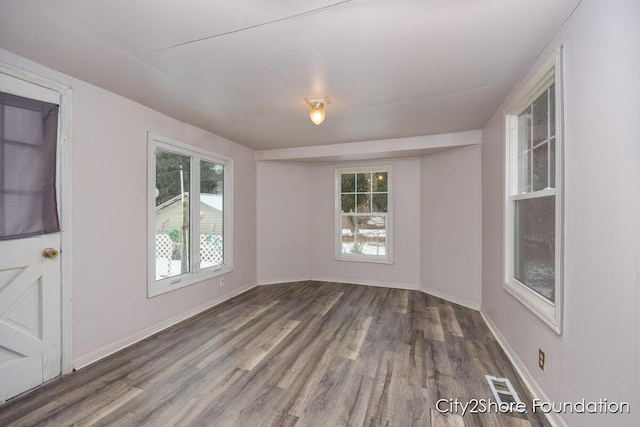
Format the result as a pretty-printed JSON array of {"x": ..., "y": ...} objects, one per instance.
[{"x": 317, "y": 113}]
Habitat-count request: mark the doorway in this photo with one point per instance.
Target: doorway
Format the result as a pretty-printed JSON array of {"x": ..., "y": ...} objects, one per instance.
[{"x": 33, "y": 321}]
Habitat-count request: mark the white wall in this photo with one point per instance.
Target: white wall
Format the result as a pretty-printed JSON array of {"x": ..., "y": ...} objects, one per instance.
[
  {"x": 437, "y": 220},
  {"x": 110, "y": 305},
  {"x": 450, "y": 234},
  {"x": 598, "y": 355},
  {"x": 405, "y": 271},
  {"x": 109, "y": 180},
  {"x": 284, "y": 222}
]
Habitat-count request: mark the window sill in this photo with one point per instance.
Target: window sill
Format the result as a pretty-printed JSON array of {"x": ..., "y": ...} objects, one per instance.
[
  {"x": 537, "y": 304},
  {"x": 164, "y": 286},
  {"x": 374, "y": 260}
]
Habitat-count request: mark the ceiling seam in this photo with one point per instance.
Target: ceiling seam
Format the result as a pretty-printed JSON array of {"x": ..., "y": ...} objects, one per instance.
[{"x": 297, "y": 15}]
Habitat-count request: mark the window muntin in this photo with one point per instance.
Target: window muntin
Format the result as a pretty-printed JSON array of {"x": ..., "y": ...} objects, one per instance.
[
  {"x": 533, "y": 204},
  {"x": 189, "y": 219},
  {"x": 363, "y": 215}
]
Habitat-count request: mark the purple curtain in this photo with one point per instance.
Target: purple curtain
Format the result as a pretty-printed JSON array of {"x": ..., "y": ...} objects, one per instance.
[{"x": 29, "y": 133}]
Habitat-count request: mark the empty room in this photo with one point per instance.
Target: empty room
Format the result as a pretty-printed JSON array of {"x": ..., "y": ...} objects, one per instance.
[{"x": 335, "y": 213}]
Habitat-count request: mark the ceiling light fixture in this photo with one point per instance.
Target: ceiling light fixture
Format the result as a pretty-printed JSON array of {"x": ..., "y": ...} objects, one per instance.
[{"x": 318, "y": 112}]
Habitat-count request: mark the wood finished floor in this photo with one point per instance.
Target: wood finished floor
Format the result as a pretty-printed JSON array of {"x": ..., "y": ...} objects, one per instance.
[{"x": 303, "y": 354}]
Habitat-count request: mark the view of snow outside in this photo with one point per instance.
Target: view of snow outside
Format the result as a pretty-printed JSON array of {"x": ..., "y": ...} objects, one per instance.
[
  {"x": 365, "y": 242},
  {"x": 537, "y": 263},
  {"x": 540, "y": 277},
  {"x": 535, "y": 244}
]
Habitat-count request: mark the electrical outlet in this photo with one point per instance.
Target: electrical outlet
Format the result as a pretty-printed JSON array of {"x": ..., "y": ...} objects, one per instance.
[
  {"x": 541, "y": 359},
  {"x": 221, "y": 281}
]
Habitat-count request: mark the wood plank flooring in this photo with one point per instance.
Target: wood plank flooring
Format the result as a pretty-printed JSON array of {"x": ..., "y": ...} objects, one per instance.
[{"x": 296, "y": 354}]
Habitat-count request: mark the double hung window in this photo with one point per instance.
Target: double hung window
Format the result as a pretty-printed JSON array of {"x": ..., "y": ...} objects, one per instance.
[
  {"x": 363, "y": 214},
  {"x": 533, "y": 226}
]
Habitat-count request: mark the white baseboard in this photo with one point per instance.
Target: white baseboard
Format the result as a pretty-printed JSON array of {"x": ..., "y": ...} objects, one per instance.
[
  {"x": 447, "y": 297},
  {"x": 94, "y": 356},
  {"x": 535, "y": 390},
  {"x": 283, "y": 280},
  {"x": 394, "y": 285}
]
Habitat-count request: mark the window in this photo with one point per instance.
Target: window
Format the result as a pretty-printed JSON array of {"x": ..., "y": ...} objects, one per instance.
[
  {"x": 363, "y": 214},
  {"x": 189, "y": 215},
  {"x": 533, "y": 207}
]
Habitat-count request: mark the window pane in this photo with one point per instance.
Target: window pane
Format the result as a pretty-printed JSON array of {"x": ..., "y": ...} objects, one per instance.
[
  {"x": 535, "y": 244},
  {"x": 363, "y": 182},
  {"x": 552, "y": 163},
  {"x": 211, "y": 214},
  {"x": 348, "y": 183},
  {"x": 540, "y": 119},
  {"x": 364, "y": 203},
  {"x": 348, "y": 203},
  {"x": 524, "y": 172},
  {"x": 379, "y": 203},
  {"x": 363, "y": 235},
  {"x": 524, "y": 131},
  {"x": 540, "y": 167},
  {"x": 380, "y": 181},
  {"x": 347, "y": 234},
  {"x": 173, "y": 227},
  {"x": 524, "y": 152},
  {"x": 552, "y": 110}
]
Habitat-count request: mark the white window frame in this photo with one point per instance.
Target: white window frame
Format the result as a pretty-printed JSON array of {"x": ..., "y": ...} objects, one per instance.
[
  {"x": 195, "y": 274},
  {"x": 381, "y": 259},
  {"x": 549, "y": 312}
]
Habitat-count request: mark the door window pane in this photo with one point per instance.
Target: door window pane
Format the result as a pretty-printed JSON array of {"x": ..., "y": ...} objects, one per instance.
[
  {"x": 173, "y": 225},
  {"x": 28, "y": 143},
  {"x": 23, "y": 125},
  {"x": 535, "y": 244},
  {"x": 20, "y": 159},
  {"x": 23, "y": 213}
]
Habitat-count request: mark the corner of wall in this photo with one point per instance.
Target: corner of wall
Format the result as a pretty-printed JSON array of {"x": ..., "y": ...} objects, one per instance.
[{"x": 450, "y": 232}]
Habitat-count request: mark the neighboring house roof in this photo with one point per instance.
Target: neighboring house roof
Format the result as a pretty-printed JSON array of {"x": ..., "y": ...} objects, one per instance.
[{"x": 212, "y": 200}]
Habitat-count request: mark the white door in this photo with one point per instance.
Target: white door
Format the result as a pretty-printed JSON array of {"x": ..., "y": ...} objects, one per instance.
[{"x": 30, "y": 285}]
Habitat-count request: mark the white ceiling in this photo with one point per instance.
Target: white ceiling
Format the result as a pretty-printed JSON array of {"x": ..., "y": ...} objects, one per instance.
[{"x": 241, "y": 68}]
